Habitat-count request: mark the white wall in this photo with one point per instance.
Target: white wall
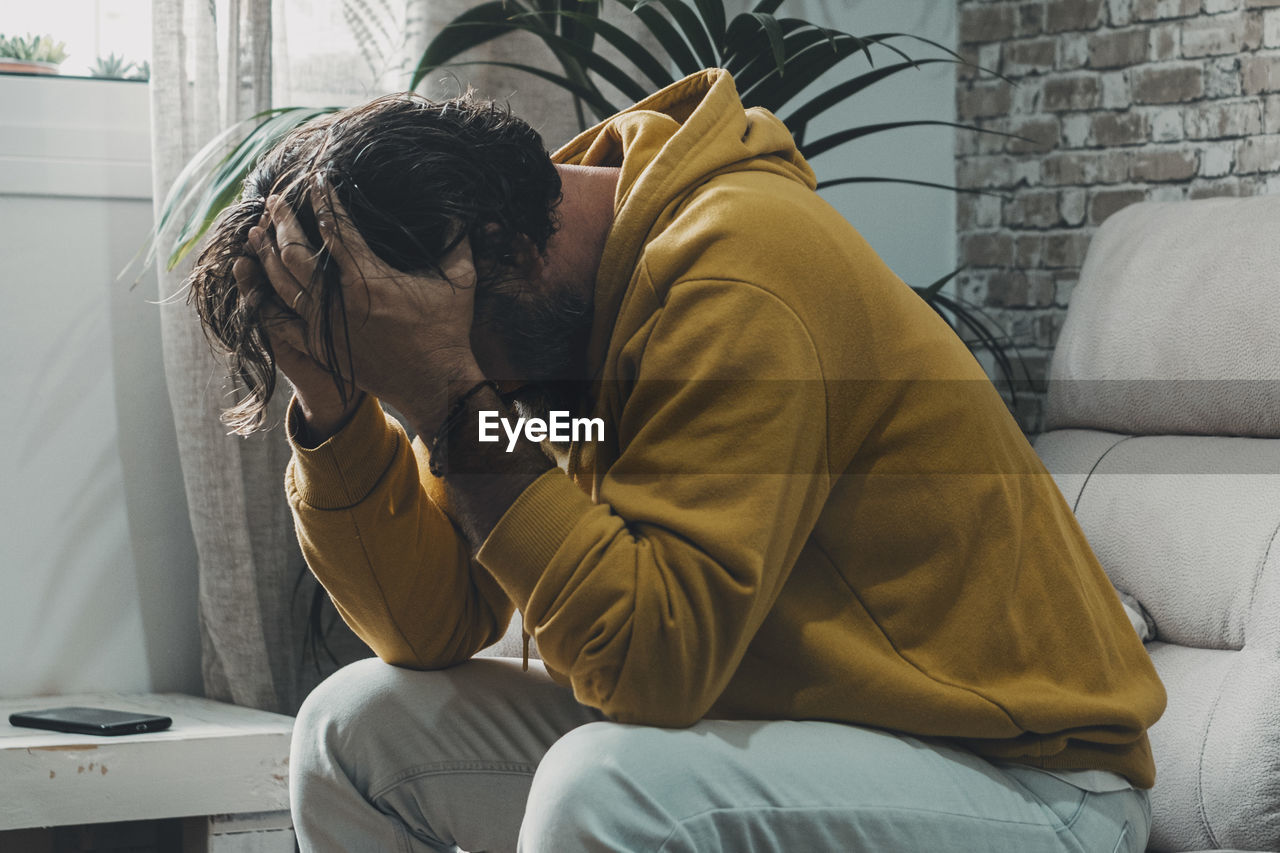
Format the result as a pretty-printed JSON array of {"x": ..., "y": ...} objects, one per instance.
[
  {"x": 912, "y": 228},
  {"x": 97, "y": 567}
]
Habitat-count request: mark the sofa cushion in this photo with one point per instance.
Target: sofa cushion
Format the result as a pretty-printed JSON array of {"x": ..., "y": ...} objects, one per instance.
[
  {"x": 1216, "y": 747},
  {"x": 1186, "y": 525},
  {"x": 1175, "y": 325}
]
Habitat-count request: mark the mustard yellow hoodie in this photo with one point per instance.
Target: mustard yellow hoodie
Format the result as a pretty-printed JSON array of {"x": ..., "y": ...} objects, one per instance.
[{"x": 810, "y": 503}]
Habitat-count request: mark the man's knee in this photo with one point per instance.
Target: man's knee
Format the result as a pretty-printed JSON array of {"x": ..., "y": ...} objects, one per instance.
[
  {"x": 343, "y": 703},
  {"x": 601, "y": 786},
  {"x": 361, "y": 715},
  {"x": 371, "y": 714}
]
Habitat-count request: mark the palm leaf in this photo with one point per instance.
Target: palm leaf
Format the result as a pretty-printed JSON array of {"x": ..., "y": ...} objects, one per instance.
[
  {"x": 587, "y": 58},
  {"x": 180, "y": 194},
  {"x": 474, "y": 27},
  {"x": 483, "y": 23},
  {"x": 811, "y": 52},
  {"x": 572, "y": 26},
  {"x": 883, "y": 38},
  {"x": 665, "y": 34},
  {"x": 214, "y": 176},
  {"x": 828, "y": 99},
  {"x": 753, "y": 24},
  {"x": 691, "y": 28},
  {"x": 589, "y": 95},
  {"x": 712, "y": 12},
  {"x": 932, "y": 290},
  {"x": 634, "y": 52},
  {"x": 747, "y": 47},
  {"x": 844, "y": 90},
  {"x": 235, "y": 166},
  {"x": 825, "y": 143},
  {"x": 188, "y": 182},
  {"x": 822, "y": 185},
  {"x": 773, "y": 91},
  {"x": 575, "y": 32},
  {"x": 971, "y": 317},
  {"x": 961, "y": 316},
  {"x": 227, "y": 180},
  {"x": 214, "y": 202}
]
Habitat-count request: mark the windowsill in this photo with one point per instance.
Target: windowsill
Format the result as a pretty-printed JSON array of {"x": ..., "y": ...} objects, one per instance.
[{"x": 42, "y": 76}]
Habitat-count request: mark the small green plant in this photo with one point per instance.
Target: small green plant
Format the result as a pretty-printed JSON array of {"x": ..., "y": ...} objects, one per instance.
[
  {"x": 111, "y": 66},
  {"x": 31, "y": 48},
  {"x": 141, "y": 71}
]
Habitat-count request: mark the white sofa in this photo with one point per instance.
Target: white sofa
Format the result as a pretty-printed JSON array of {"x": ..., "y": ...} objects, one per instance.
[
  {"x": 1162, "y": 426},
  {"x": 1164, "y": 415}
]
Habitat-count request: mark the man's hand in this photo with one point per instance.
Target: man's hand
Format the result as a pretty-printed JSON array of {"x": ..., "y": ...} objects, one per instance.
[
  {"x": 408, "y": 336},
  {"x": 323, "y": 410},
  {"x": 409, "y": 344}
]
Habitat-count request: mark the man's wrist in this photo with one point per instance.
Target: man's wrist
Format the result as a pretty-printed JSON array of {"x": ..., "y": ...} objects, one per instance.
[
  {"x": 483, "y": 479},
  {"x": 316, "y": 424},
  {"x": 427, "y": 410}
]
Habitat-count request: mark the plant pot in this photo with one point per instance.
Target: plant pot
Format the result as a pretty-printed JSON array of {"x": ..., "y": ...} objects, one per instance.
[{"x": 26, "y": 66}]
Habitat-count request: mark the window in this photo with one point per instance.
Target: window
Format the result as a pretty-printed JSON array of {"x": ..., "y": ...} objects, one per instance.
[{"x": 109, "y": 38}]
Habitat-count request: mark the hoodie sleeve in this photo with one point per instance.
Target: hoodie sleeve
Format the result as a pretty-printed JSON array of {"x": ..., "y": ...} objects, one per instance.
[
  {"x": 372, "y": 525},
  {"x": 648, "y": 598}
]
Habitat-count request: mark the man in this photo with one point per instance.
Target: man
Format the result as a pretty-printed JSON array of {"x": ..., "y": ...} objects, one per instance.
[{"x": 811, "y": 589}]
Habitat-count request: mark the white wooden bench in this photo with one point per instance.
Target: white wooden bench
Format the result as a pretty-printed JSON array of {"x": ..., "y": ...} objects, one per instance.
[{"x": 222, "y": 767}]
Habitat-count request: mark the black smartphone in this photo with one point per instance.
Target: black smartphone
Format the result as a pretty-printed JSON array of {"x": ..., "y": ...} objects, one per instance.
[{"x": 91, "y": 721}]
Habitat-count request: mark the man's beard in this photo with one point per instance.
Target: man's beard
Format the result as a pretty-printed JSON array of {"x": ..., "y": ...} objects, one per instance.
[{"x": 544, "y": 336}]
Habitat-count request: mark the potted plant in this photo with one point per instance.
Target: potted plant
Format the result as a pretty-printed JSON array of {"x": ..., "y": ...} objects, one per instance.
[
  {"x": 31, "y": 54},
  {"x": 111, "y": 67}
]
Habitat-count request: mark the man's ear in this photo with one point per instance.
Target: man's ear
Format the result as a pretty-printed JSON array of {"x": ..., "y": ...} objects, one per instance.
[
  {"x": 521, "y": 256},
  {"x": 527, "y": 258}
]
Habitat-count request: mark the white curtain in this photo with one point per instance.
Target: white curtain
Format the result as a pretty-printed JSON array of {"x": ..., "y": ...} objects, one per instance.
[{"x": 211, "y": 67}]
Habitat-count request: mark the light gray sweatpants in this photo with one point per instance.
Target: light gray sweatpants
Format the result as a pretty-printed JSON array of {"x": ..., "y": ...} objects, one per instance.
[{"x": 489, "y": 758}]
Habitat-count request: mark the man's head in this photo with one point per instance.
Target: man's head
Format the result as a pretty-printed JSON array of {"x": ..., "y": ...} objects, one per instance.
[{"x": 415, "y": 178}]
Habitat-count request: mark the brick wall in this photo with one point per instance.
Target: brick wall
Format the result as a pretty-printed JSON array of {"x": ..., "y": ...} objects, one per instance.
[{"x": 1122, "y": 100}]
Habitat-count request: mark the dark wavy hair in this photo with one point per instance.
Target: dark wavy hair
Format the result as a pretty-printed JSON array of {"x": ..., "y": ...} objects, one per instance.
[{"x": 415, "y": 176}]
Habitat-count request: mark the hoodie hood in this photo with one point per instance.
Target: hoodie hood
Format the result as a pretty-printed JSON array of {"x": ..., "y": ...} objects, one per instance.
[{"x": 667, "y": 145}]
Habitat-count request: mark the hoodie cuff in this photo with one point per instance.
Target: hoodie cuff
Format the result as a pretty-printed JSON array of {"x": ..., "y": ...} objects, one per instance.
[
  {"x": 531, "y": 531},
  {"x": 342, "y": 471}
]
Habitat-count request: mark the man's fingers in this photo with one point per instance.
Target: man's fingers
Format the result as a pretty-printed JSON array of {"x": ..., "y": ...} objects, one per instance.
[
  {"x": 295, "y": 250},
  {"x": 341, "y": 237},
  {"x": 283, "y": 281},
  {"x": 281, "y": 327},
  {"x": 459, "y": 265},
  {"x": 249, "y": 279},
  {"x": 284, "y": 329}
]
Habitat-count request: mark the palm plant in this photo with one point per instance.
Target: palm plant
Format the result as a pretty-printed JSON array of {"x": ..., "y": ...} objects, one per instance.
[{"x": 774, "y": 61}]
